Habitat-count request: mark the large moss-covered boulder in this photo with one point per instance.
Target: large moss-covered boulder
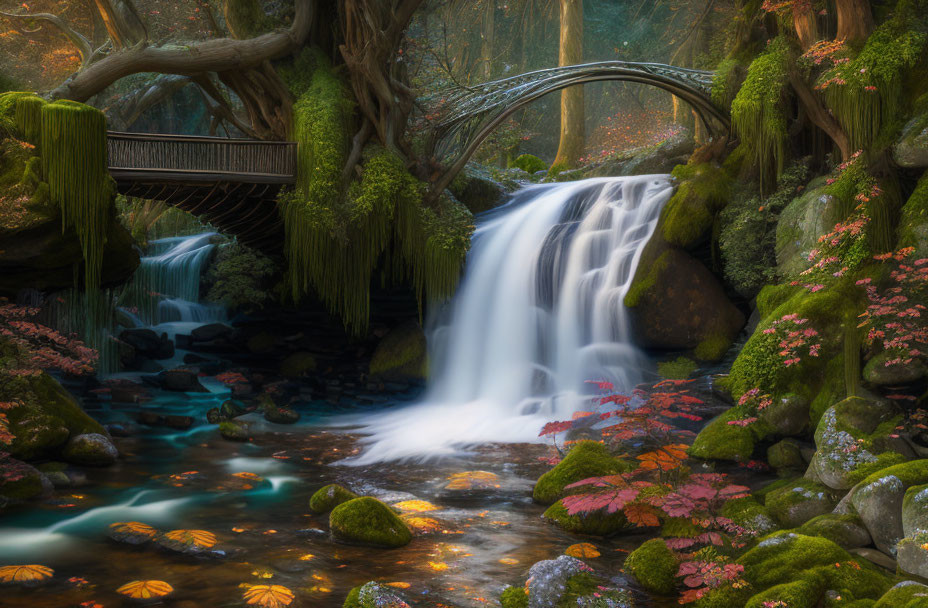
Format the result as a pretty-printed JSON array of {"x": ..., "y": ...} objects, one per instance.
[
  {"x": 654, "y": 566},
  {"x": 687, "y": 218},
  {"x": 879, "y": 498},
  {"x": 723, "y": 439},
  {"x": 915, "y": 510},
  {"x": 785, "y": 456},
  {"x": 883, "y": 370},
  {"x": 912, "y": 556},
  {"x": 801, "y": 571},
  {"x": 477, "y": 190},
  {"x": 368, "y": 521},
  {"x": 401, "y": 354},
  {"x": 799, "y": 501},
  {"x": 20, "y": 482},
  {"x": 586, "y": 459},
  {"x": 328, "y": 497},
  {"x": 801, "y": 223},
  {"x": 847, "y": 531},
  {"x": 912, "y": 148},
  {"x": 749, "y": 514},
  {"x": 46, "y": 417},
  {"x": 854, "y": 437},
  {"x": 675, "y": 303},
  {"x": 912, "y": 230},
  {"x": 598, "y": 523}
]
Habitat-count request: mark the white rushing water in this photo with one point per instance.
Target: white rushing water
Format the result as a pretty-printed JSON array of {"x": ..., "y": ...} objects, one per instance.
[{"x": 539, "y": 314}]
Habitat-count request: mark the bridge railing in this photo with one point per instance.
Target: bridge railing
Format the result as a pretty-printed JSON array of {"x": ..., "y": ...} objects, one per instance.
[{"x": 188, "y": 157}]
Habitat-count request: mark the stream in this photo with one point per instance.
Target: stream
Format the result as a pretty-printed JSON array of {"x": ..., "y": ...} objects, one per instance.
[{"x": 514, "y": 350}]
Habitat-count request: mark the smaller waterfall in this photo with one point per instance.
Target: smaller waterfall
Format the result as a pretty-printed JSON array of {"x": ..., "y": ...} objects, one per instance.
[
  {"x": 167, "y": 283},
  {"x": 540, "y": 313}
]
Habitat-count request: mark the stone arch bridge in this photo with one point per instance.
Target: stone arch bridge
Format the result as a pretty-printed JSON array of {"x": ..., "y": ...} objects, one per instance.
[{"x": 233, "y": 183}]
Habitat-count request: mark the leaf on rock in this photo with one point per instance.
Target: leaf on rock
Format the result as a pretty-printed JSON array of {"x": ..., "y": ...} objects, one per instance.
[
  {"x": 24, "y": 574},
  {"x": 145, "y": 590},
  {"x": 582, "y": 551},
  {"x": 201, "y": 539}
]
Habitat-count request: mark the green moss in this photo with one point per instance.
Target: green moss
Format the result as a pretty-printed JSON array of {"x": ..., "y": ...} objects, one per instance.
[
  {"x": 353, "y": 599},
  {"x": 785, "y": 455},
  {"x": 798, "y": 594},
  {"x": 246, "y": 18},
  {"x": 401, "y": 352},
  {"x": 724, "y": 597},
  {"x": 910, "y": 473},
  {"x": 598, "y": 523},
  {"x": 586, "y": 459},
  {"x": 749, "y": 514},
  {"x": 910, "y": 595},
  {"x": 758, "y": 113},
  {"x": 654, "y": 566},
  {"x": 719, "y": 440},
  {"x": 585, "y": 584},
  {"x": 832, "y": 526},
  {"x": 640, "y": 287},
  {"x": 74, "y": 154},
  {"x": 888, "y": 56},
  {"x": 680, "y": 368},
  {"x": 368, "y": 521},
  {"x": 833, "y": 389},
  {"x": 298, "y": 364},
  {"x": 713, "y": 347},
  {"x": 781, "y": 501},
  {"x": 514, "y": 597},
  {"x": 913, "y": 225},
  {"x": 328, "y": 497},
  {"x": 530, "y": 164},
  {"x": 883, "y": 461},
  {"x": 727, "y": 82},
  {"x": 688, "y": 216}
]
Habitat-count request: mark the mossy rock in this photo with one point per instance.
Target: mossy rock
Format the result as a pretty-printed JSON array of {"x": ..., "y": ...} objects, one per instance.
[
  {"x": 799, "y": 501},
  {"x": 530, "y": 163},
  {"x": 368, "y": 521},
  {"x": 748, "y": 513},
  {"x": 401, "y": 354},
  {"x": 878, "y": 373},
  {"x": 802, "y": 222},
  {"x": 298, "y": 364},
  {"x": 680, "y": 368},
  {"x": 20, "y": 482},
  {"x": 911, "y": 150},
  {"x": 912, "y": 230},
  {"x": 907, "y": 594},
  {"x": 654, "y": 566},
  {"x": 476, "y": 189},
  {"x": 719, "y": 440},
  {"x": 713, "y": 347},
  {"x": 328, "y": 497},
  {"x": 687, "y": 218},
  {"x": 598, "y": 523},
  {"x": 374, "y": 595},
  {"x": 234, "y": 430},
  {"x": 785, "y": 456},
  {"x": 90, "y": 449},
  {"x": 513, "y": 597},
  {"x": 847, "y": 531},
  {"x": 48, "y": 416},
  {"x": 586, "y": 459}
]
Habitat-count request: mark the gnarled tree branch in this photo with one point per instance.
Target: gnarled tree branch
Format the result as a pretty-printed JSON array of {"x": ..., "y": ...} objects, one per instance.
[{"x": 77, "y": 39}]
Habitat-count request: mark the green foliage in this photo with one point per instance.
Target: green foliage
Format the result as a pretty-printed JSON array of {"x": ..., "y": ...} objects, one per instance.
[
  {"x": 654, "y": 566},
  {"x": 530, "y": 164},
  {"x": 328, "y": 497},
  {"x": 239, "y": 278},
  {"x": 74, "y": 153},
  {"x": 586, "y": 459},
  {"x": 514, "y": 597},
  {"x": 680, "y": 368},
  {"x": 865, "y": 93},
  {"x": 758, "y": 114},
  {"x": 748, "y": 236},
  {"x": 335, "y": 240},
  {"x": 368, "y": 521}
]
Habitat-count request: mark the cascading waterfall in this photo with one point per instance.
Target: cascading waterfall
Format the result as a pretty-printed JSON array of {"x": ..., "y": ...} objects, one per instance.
[
  {"x": 167, "y": 282},
  {"x": 540, "y": 313}
]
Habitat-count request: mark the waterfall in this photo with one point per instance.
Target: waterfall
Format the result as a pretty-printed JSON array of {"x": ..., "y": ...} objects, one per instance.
[
  {"x": 539, "y": 314},
  {"x": 167, "y": 283}
]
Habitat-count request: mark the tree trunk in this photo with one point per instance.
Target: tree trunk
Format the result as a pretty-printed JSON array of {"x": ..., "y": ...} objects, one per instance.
[
  {"x": 805, "y": 24},
  {"x": 571, "y": 144},
  {"x": 855, "y": 20},
  {"x": 487, "y": 39},
  {"x": 122, "y": 21},
  {"x": 820, "y": 115}
]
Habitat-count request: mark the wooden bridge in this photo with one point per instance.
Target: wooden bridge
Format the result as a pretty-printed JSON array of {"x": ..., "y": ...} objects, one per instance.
[{"x": 231, "y": 183}]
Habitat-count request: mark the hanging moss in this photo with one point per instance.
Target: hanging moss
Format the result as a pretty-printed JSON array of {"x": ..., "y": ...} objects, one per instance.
[
  {"x": 29, "y": 117},
  {"x": 727, "y": 82},
  {"x": 865, "y": 93},
  {"x": 758, "y": 115},
  {"x": 336, "y": 240},
  {"x": 73, "y": 145}
]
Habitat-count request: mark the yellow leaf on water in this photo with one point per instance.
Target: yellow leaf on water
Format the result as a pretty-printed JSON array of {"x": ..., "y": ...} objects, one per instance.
[
  {"x": 144, "y": 590},
  {"x": 200, "y": 538},
  {"x": 133, "y": 527},
  {"x": 306, "y": 557},
  {"x": 24, "y": 574},
  {"x": 582, "y": 550},
  {"x": 268, "y": 596},
  {"x": 399, "y": 585},
  {"x": 470, "y": 480},
  {"x": 416, "y": 506},
  {"x": 248, "y": 476},
  {"x": 421, "y": 525},
  {"x": 438, "y": 566},
  {"x": 508, "y": 561},
  {"x": 263, "y": 573}
]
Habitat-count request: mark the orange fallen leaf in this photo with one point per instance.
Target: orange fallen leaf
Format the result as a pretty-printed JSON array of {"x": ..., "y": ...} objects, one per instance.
[
  {"x": 200, "y": 538},
  {"x": 24, "y": 574},
  {"x": 268, "y": 596},
  {"x": 144, "y": 590},
  {"x": 582, "y": 550},
  {"x": 399, "y": 585},
  {"x": 416, "y": 506}
]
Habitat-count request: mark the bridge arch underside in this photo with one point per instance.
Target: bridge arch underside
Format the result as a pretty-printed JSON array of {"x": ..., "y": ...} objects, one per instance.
[
  {"x": 245, "y": 210},
  {"x": 468, "y": 132}
]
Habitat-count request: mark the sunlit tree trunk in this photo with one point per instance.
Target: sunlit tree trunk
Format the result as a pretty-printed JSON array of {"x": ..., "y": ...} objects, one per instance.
[
  {"x": 122, "y": 21},
  {"x": 855, "y": 19},
  {"x": 805, "y": 24},
  {"x": 570, "y": 148}
]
